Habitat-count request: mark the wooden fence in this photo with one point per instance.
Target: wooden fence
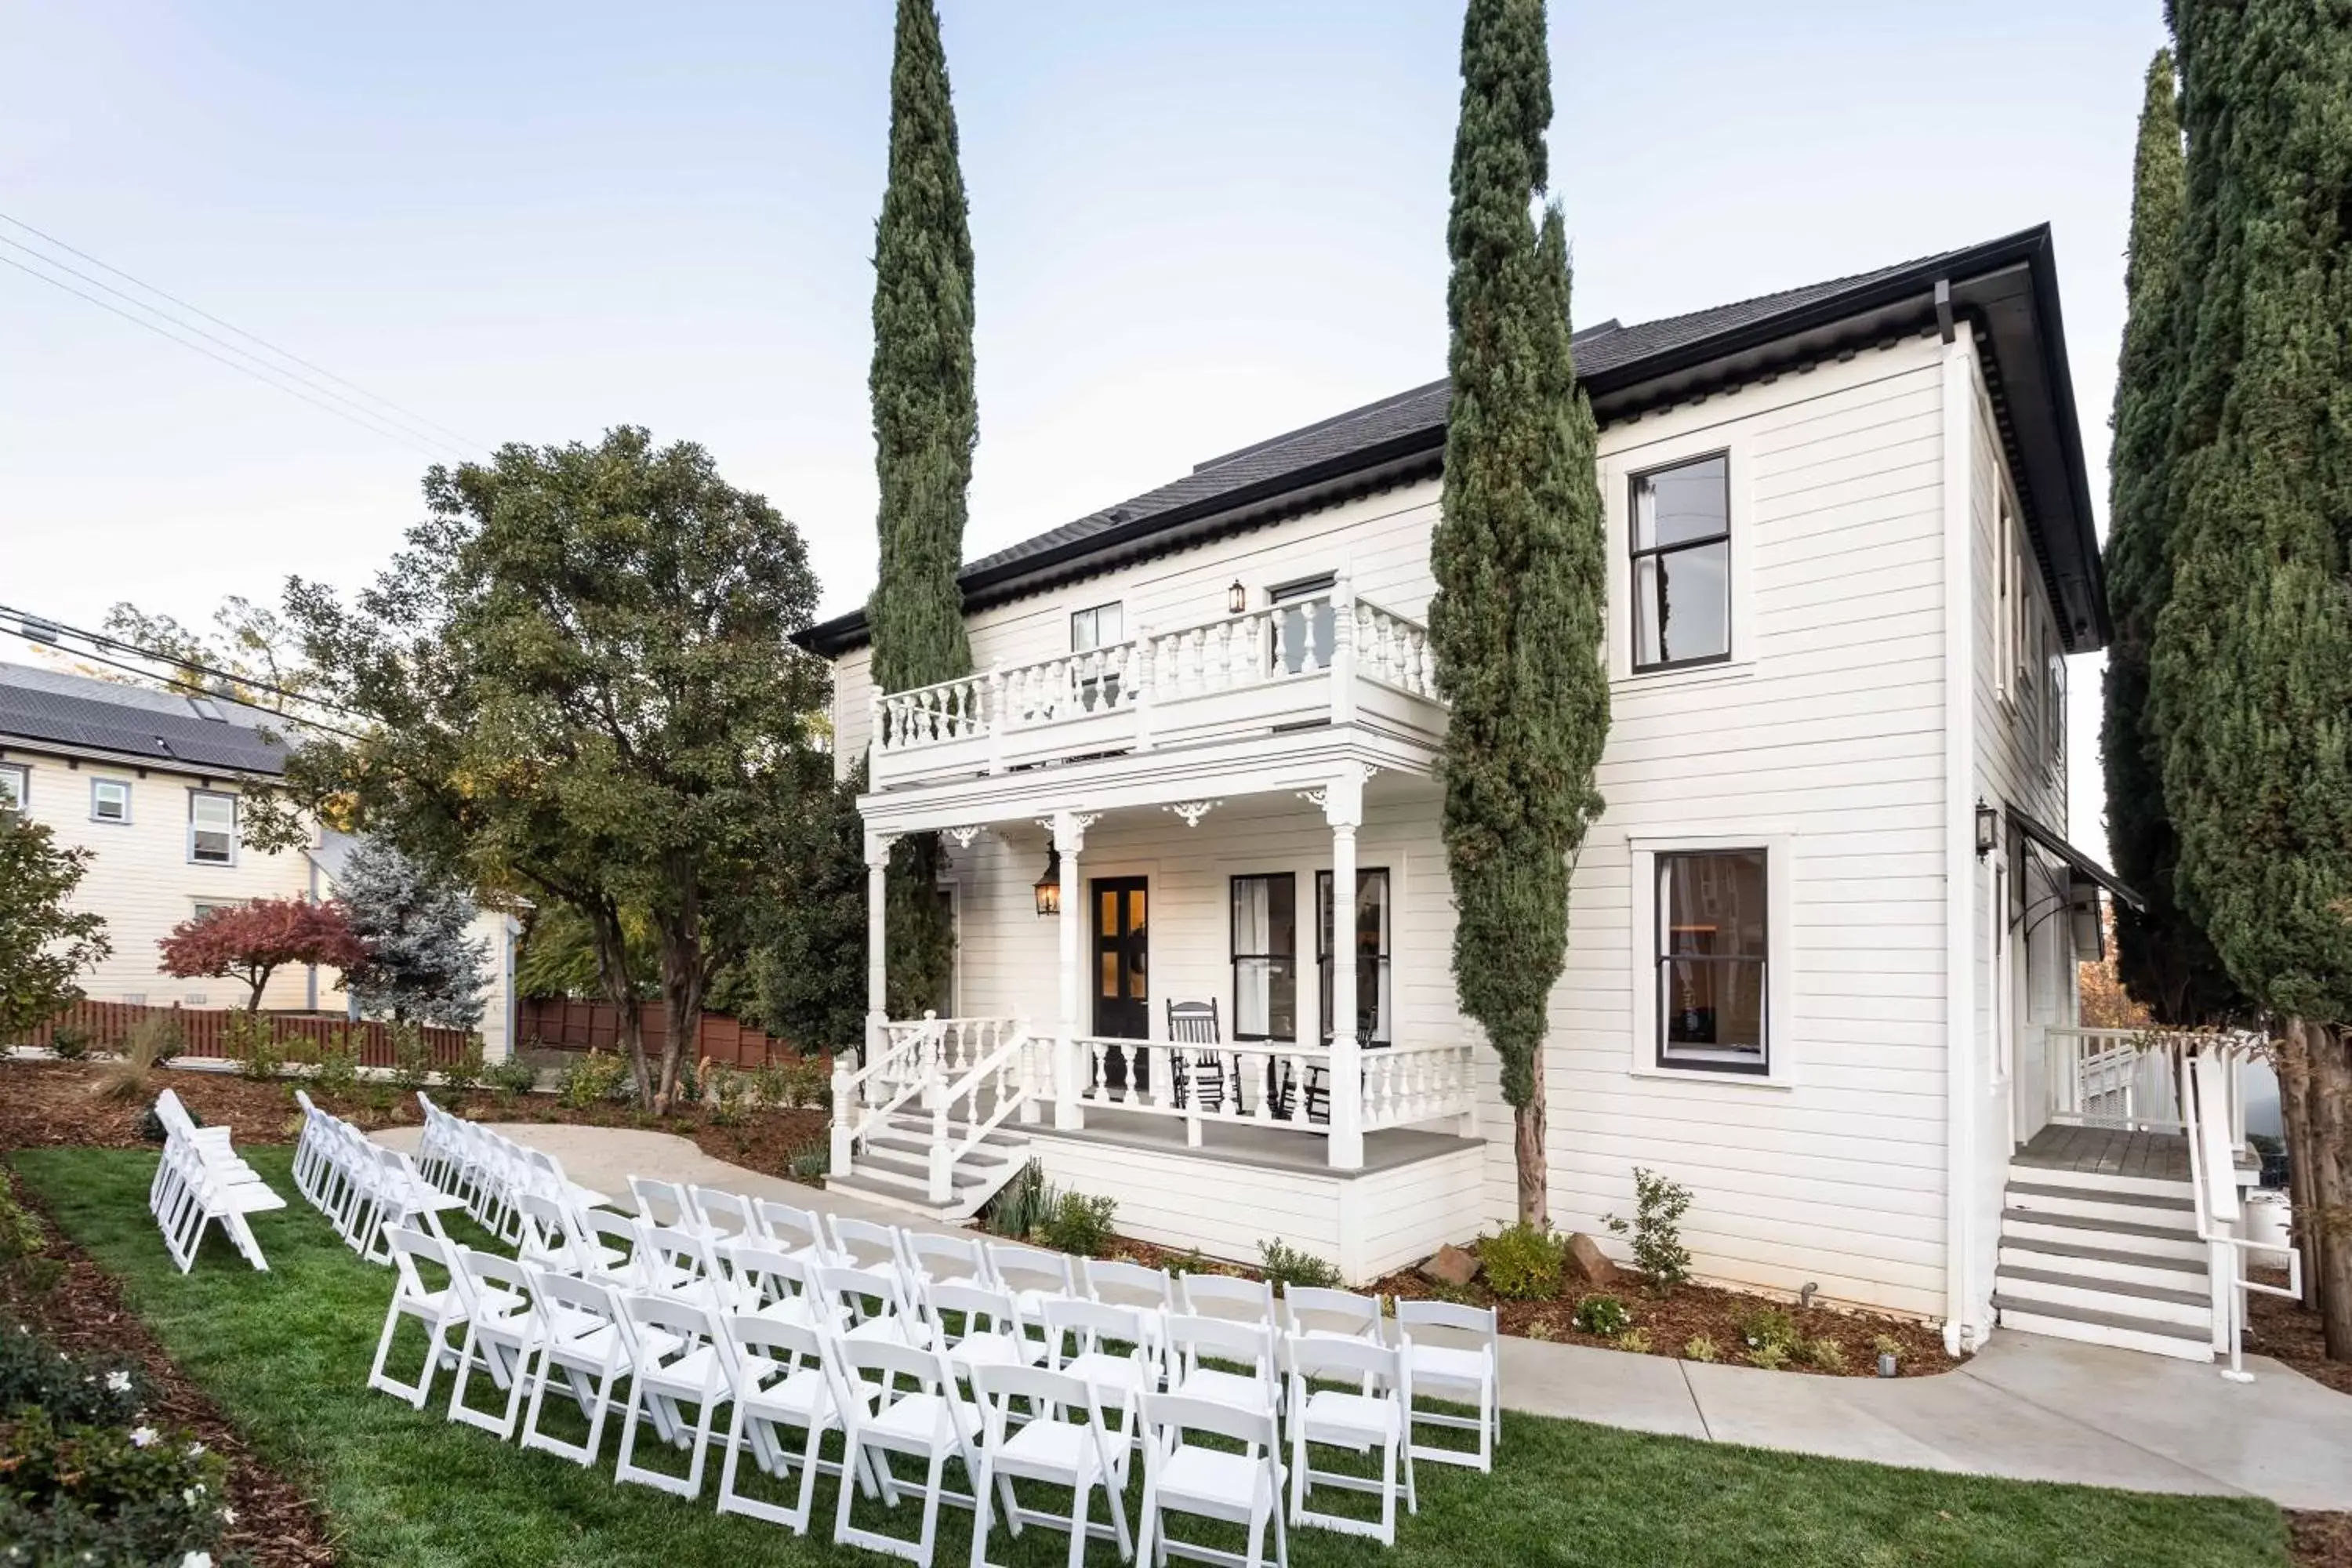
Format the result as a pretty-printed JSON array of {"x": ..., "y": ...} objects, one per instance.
[
  {"x": 563, "y": 1024},
  {"x": 204, "y": 1031}
]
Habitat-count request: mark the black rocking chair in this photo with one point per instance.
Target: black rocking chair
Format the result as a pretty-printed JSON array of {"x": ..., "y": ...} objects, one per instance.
[{"x": 1202, "y": 1072}]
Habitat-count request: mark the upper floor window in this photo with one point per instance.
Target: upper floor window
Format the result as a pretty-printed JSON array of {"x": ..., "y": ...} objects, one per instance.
[
  {"x": 212, "y": 827},
  {"x": 109, "y": 800},
  {"x": 1303, "y": 623},
  {"x": 1104, "y": 625},
  {"x": 2053, "y": 755},
  {"x": 15, "y": 786},
  {"x": 1712, "y": 944},
  {"x": 1682, "y": 564}
]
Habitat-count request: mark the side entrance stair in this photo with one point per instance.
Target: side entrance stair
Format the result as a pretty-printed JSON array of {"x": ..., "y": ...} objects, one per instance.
[
  {"x": 894, "y": 1167},
  {"x": 2108, "y": 1259}
]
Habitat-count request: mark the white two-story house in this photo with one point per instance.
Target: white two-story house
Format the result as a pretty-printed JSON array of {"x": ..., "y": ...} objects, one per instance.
[{"x": 1819, "y": 939}]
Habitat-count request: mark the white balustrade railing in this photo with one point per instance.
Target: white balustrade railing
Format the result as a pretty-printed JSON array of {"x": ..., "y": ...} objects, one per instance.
[
  {"x": 999, "y": 1084},
  {"x": 1296, "y": 639},
  {"x": 1271, "y": 1083},
  {"x": 1408, "y": 1084},
  {"x": 911, "y": 1056}
]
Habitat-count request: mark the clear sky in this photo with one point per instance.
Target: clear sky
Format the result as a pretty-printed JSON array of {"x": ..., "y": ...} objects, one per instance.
[{"x": 1196, "y": 225}]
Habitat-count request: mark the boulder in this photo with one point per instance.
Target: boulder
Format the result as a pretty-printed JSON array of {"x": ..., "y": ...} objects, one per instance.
[
  {"x": 1591, "y": 1261},
  {"x": 1451, "y": 1264}
]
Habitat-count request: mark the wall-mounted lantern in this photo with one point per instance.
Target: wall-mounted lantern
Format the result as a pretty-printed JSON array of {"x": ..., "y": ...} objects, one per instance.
[
  {"x": 1988, "y": 829},
  {"x": 1049, "y": 885},
  {"x": 1236, "y": 597}
]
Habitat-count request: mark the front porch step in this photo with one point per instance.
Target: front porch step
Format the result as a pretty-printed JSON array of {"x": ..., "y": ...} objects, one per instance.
[
  {"x": 2090, "y": 1261},
  {"x": 2061, "y": 1287},
  {"x": 2074, "y": 1231},
  {"x": 2032, "y": 1175},
  {"x": 904, "y": 1124},
  {"x": 2123, "y": 1331},
  {"x": 2106, "y": 1205},
  {"x": 894, "y": 1167}
]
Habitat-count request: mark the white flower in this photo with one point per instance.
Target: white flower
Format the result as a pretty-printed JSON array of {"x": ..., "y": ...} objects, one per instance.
[
  {"x": 228, "y": 1516},
  {"x": 194, "y": 1495},
  {"x": 197, "y": 1560},
  {"x": 141, "y": 1435},
  {"x": 194, "y": 1449},
  {"x": 118, "y": 1382}
]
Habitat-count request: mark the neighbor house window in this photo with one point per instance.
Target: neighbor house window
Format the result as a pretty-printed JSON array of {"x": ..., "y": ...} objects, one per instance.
[
  {"x": 1712, "y": 978},
  {"x": 15, "y": 786},
  {"x": 212, "y": 827},
  {"x": 1265, "y": 957},
  {"x": 1682, "y": 564},
  {"x": 202, "y": 907},
  {"x": 109, "y": 800},
  {"x": 1371, "y": 944},
  {"x": 1305, "y": 626},
  {"x": 1104, "y": 625}
]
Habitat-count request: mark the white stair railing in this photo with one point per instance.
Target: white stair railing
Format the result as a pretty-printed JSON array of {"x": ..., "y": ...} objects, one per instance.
[
  {"x": 1005, "y": 1073},
  {"x": 2209, "y": 1099}
]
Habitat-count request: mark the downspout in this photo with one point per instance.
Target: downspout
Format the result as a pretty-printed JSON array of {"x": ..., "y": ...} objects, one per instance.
[
  {"x": 1959, "y": 829},
  {"x": 310, "y": 978}
]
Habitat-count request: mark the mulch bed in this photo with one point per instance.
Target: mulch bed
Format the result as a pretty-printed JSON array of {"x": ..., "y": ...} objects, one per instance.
[
  {"x": 2321, "y": 1539},
  {"x": 279, "y": 1524},
  {"x": 2281, "y": 1330}
]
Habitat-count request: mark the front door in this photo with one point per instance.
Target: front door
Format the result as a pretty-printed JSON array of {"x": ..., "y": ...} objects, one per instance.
[{"x": 1121, "y": 984}]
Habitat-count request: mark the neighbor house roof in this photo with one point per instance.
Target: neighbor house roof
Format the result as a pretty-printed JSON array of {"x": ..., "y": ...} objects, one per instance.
[
  {"x": 2007, "y": 288},
  {"x": 49, "y": 708}
]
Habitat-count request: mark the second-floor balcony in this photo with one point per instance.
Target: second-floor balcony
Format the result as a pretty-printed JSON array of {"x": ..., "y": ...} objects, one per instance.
[{"x": 1330, "y": 658}]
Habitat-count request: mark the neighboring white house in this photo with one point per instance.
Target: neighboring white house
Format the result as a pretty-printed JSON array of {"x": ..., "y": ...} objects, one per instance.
[
  {"x": 151, "y": 782},
  {"x": 1820, "y": 963}
]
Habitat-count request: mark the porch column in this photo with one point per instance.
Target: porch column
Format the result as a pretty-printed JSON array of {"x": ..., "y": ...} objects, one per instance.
[
  {"x": 1343, "y": 809},
  {"x": 877, "y": 967},
  {"x": 1069, "y": 838}
]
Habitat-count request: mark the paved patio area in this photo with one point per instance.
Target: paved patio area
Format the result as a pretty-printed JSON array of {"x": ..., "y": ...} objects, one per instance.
[{"x": 2025, "y": 1408}]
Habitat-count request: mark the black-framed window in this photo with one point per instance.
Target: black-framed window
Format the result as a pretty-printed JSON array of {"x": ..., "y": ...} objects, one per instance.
[
  {"x": 1374, "y": 919},
  {"x": 1264, "y": 950},
  {"x": 1681, "y": 564},
  {"x": 1100, "y": 626},
  {"x": 1713, "y": 978},
  {"x": 1306, "y": 624}
]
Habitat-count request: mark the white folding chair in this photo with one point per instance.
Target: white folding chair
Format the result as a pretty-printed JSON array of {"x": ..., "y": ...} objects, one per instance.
[
  {"x": 1210, "y": 1482},
  {"x": 1079, "y": 1336},
  {"x": 1063, "y": 1441},
  {"x": 620, "y": 1241},
  {"x": 1342, "y": 1419},
  {"x": 942, "y": 1259},
  {"x": 502, "y": 1335},
  {"x": 794, "y": 1230},
  {"x": 868, "y": 1247},
  {"x": 775, "y": 1286},
  {"x": 402, "y": 1197},
  {"x": 591, "y": 1341},
  {"x": 1030, "y": 1273},
  {"x": 896, "y": 1399},
  {"x": 785, "y": 1387},
  {"x": 664, "y": 1204},
  {"x": 1191, "y": 1339},
  {"x": 1224, "y": 1296},
  {"x": 1315, "y": 1313},
  {"x": 685, "y": 1266},
  {"x": 555, "y": 1238},
  {"x": 725, "y": 1217},
  {"x": 439, "y": 1308},
  {"x": 987, "y": 1327},
  {"x": 1454, "y": 1352},
  {"x": 189, "y": 1195},
  {"x": 845, "y": 1293},
  {"x": 678, "y": 1359},
  {"x": 1117, "y": 1284}
]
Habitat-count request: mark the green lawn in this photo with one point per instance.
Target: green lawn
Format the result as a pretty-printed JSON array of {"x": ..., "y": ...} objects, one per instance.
[{"x": 286, "y": 1354}]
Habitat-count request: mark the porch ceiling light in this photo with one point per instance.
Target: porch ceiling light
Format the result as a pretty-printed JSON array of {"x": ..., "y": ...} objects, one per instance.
[
  {"x": 1237, "y": 597},
  {"x": 1049, "y": 885},
  {"x": 1988, "y": 829}
]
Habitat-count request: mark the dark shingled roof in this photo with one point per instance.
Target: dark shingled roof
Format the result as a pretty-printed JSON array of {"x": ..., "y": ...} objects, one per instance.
[
  {"x": 1620, "y": 367},
  {"x": 132, "y": 722}
]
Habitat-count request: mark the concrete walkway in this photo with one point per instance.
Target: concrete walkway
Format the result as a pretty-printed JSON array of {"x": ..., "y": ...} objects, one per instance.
[{"x": 2025, "y": 1408}]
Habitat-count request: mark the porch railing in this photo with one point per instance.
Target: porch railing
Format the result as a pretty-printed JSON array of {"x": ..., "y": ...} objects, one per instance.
[
  {"x": 1299, "y": 658},
  {"x": 2129, "y": 1079},
  {"x": 909, "y": 1056},
  {"x": 1256, "y": 1083}
]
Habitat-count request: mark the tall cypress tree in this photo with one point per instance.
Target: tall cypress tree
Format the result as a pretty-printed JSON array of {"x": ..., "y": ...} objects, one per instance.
[
  {"x": 2252, "y": 672},
  {"x": 926, "y": 424},
  {"x": 1519, "y": 561},
  {"x": 2162, "y": 955}
]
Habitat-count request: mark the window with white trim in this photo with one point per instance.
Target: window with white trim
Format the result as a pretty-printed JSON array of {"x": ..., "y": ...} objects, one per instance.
[
  {"x": 16, "y": 786},
  {"x": 2005, "y": 592},
  {"x": 1264, "y": 952},
  {"x": 212, "y": 827},
  {"x": 1711, "y": 956},
  {"x": 2053, "y": 753},
  {"x": 109, "y": 800},
  {"x": 1681, "y": 564},
  {"x": 1091, "y": 630},
  {"x": 1373, "y": 1013}
]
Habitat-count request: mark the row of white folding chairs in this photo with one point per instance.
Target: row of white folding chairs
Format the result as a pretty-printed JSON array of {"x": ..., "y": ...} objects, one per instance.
[
  {"x": 362, "y": 1187},
  {"x": 1456, "y": 1349},
  {"x": 781, "y": 1368},
  {"x": 490, "y": 1172},
  {"x": 201, "y": 1180}
]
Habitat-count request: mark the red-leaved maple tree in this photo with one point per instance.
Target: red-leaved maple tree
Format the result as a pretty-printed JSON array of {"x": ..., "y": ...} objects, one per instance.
[{"x": 252, "y": 941}]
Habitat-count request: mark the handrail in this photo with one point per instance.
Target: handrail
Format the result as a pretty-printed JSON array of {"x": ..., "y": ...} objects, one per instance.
[
  {"x": 2209, "y": 1108},
  {"x": 1013, "y": 1089}
]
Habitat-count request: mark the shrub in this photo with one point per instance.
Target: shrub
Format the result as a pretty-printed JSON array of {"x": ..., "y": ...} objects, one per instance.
[
  {"x": 1634, "y": 1340},
  {"x": 1771, "y": 1326},
  {"x": 463, "y": 1074},
  {"x": 1886, "y": 1345},
  {"x": 1282, "y": 1264},
  {"x": 151, "y": 1127},
  {"x": 809, "y": 1081},
  {"x": 1019, "y": 1207},
  {"x": 154, "y": 1040},
  {"x": 728, "y": 1089},
  {"x": 770, "y": 1084},
  {"x": 251, "y": 1041},
  {"x": 148, "y": 1496},
  {"x": 1825, "y": 1353},
  {"x": 1542, "y": 1329},
  {"x": 1771, "y": 1357},
  {"x": 20, "y": 1229},
  {"x": 412, "y": 1058},
  {"x": 591, "y": 1079},
  {"x": 74, "y": 1391},
  {"x": 1603, "y": 1316},
  {"x": 69, "y": 1044},
  {"x": 1523, "y": 1262},
  {"x": 509, "y": 1078},
  {"x": 338, "y": 1071},
  {"x": 812, "y": 1165},
  {"x": 1078, "y": 1223},
  {"x": 1659, "y": 1205},
  {"x": 1701, "y": 1347}
]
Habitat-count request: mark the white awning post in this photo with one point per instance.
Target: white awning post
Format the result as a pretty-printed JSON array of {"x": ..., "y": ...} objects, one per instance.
[
  {"x": 1069, "y": 838},
  {"x": 1343, "y": 809}
]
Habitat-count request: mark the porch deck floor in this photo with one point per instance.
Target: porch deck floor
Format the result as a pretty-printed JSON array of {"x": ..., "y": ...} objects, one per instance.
[
  {"x": 1276, "y": 1147},
  {"x": 2107, "y": 1151}
]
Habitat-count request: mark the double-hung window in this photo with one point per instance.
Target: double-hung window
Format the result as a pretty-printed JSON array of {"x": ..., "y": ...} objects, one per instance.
[
  {"x": 1682, "y": 564},
  {"x": 1370, "y": 941},
  {"x": 212, "y": 827},
  {"x": 1711, "y": 943},
  {"x": 1091, "y": 631},
  {"x": 1305, "y": 623},
  {"x": 16, "y": 786},
  {"x": 2053, "y": 755},
  {"x": 109, "y": 800},
  {"x": 1265, "y": 957}
]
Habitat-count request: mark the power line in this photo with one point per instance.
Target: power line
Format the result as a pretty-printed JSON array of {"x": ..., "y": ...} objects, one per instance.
[
  {"x": 241, "y": 331},
  {"x": 292, "y": 389},
  {"x": 138, "y": 304}
]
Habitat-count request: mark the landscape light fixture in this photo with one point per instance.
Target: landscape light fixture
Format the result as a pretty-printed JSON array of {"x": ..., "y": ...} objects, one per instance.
[{"x": 1049, "y": 885}]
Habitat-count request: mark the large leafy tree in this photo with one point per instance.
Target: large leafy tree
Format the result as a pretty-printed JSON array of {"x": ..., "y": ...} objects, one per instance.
[
  {"x": 422, "y": 962},
  {"x": 251, "y": 941},
  {"x": 1519, "y": 560},
  {"x": 806, "y": 979},
  {"x": 2250, "y": 677},
  {"x": 44, "y": 942},
  {"x": 926, "y": 424},
  {"x": 2162, "y": 955},
  {"x": 582, "y": 689}
]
